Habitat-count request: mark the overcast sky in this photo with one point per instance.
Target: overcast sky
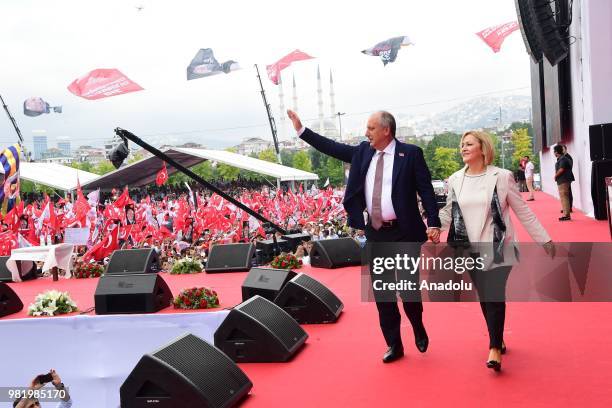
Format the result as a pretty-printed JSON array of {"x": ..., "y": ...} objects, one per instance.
[{"x": 45, "y": 45}]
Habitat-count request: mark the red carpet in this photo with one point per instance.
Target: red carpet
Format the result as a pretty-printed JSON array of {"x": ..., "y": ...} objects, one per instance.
[{"x": 557, "y": 352}]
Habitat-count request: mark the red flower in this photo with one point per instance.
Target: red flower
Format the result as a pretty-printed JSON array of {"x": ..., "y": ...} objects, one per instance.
[
  {"x": 198, "y": 293},
  {"x": 283, "y": 264},
  {"x": 203, "y": 304},
  {"x": 187, "y": 302}
]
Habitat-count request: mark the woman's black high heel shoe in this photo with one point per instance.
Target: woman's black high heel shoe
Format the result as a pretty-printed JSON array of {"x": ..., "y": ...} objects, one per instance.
[
  {"x": 495, "y": 365},
  {"x": 503, "y": 349}
]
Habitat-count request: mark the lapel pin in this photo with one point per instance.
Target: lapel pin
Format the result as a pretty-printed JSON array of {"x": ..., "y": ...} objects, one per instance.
[{"x": 400, "y": 154}]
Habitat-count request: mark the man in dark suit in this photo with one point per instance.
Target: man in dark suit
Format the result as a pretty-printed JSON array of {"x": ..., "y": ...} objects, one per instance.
[{"x": 384, "y": 179}]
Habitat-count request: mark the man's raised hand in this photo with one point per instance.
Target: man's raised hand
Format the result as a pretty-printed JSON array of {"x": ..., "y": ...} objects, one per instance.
[{"x": 295, "y": 119}]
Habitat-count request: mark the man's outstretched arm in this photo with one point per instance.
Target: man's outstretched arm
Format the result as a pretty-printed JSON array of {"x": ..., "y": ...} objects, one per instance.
[{"x": 327, "y": 146}]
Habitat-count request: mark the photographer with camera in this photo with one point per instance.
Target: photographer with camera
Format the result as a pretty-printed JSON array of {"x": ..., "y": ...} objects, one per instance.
[{"x": 39, "y": 382}]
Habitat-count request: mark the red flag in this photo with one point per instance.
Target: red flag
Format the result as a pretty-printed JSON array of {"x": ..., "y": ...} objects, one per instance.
[
  {"x": 102, "y": 83},
  {"x": 275, "y": 69},
  {"x": 495, "y": 36},
  {"x": 162, "y": 176},
  {"x": 105, "y": 247},
  {"x": 124, "y": 199}
]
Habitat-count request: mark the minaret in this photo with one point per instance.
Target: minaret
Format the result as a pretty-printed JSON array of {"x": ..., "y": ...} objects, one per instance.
[
  {"x": 295, "y": 108},
  {"x": 283, "y": 113},
  {"x": 320, "y": 96},
  {"x": 332, "y": 95}
]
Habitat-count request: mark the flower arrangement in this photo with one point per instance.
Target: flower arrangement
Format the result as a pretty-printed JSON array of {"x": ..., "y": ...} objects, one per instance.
[
  {"x": 51, "y": 303},
  {"x": 187, "y": 265},
  {"x": 88, "y": 270},
  {"x": 196, "y": 298},
  {"x": 286, "y": 261}
]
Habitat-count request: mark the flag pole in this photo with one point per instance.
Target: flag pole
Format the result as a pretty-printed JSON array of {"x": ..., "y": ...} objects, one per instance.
[
  {"x": 12, "y": 121},
  {"x": 270, "y": 117},
  {"x": 126, "y": 135}
]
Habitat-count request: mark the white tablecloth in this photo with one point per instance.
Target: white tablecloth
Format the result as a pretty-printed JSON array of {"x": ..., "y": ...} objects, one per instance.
[{"x": 59, "y": 255}]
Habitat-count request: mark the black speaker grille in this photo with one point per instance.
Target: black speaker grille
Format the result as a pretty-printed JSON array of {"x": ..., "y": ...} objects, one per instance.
[
  {"x": 275, "y": 318},
  {"x": 230, "y": 256},
  {"x": 133, "y": 261},
  {"x": 320, "y": 290},
  {"x": 219, "y": 379}
]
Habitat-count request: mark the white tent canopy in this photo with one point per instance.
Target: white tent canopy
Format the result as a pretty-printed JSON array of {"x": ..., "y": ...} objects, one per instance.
[
  {"x": 54, "y": 175},
  {"x": 283, "y": 173},
  {"x": 143, "y": 172}
]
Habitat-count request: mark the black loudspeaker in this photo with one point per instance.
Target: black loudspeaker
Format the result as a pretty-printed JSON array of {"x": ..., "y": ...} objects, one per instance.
[
  {"x": 230, "y": 258},
  {"x": 296, "y": 239},
  {"x": 259, "y": 331},
  {"x": 5, "y": 274},
  {"x": 541, "y": 31},
  {"x": 188, "y": 372},
  {"x": 600, "y": 170},
  {"x": 127, "y": 261},
  {"x": 268, "y": 246},
  {"x": 309, "y": 301},
  {"x": 600, "y": 141},
  {"x": 27, "y": 269},
  {"x": 9, "y": 301},
  {"x": 265, "y": 282},
  {"x": 335, "y": 253},
  {"x": 144, "y": 293}
]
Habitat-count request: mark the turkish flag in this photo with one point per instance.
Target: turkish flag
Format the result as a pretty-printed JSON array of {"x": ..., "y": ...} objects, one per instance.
[
  {"x": 105, "y": 247},
  {"x": 275, "y": 69},
  {"x": 162, "y": 176},
  {"x": 102, "y": 83},
  {"x": 124, "y": 199},
  {"x": 495, "y": 36}
]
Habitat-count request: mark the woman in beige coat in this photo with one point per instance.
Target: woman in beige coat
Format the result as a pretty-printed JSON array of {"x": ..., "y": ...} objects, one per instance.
[{"x": 483, "y": 195}]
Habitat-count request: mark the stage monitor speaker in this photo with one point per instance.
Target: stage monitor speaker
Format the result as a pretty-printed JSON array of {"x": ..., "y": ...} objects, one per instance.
[
  {"x": 230, "y": 258},
  {"x": 600, "y": 170},
  {"x": 127, "y": 261},
  {"x": 258, "y": 331},
  {"x": 9, "y": 301},
  {"x": 265, "y": 282},
  {"x": 296, "y": 239},
  {"x": 541, "y": 30},
  {"x": 188, "y": 372},
  {"x": 600, "y": 141},
  {"x": 132, "y": 293},
  {"x": 309, "y": 301},
  {"x": 268, "y": 247},
  {"x": 335, "y": 253},
  {"x": 27, "y": 269}
]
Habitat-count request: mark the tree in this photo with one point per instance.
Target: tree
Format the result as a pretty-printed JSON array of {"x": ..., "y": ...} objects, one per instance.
[
  {"x": 444, "y": 163},
  {"x": 448, "y": 140},
  {"x": 85, "y": 166},
  {"x": 335, "y": 171},
  {"x": 103, "y": 167},
  {"x": 287, "y": 157},
  {"x": 136, "y": 157},
  {"x": 301, "y": 161},
  {"x": 268, "y": 155},
  {"x": 522, "y": 146}
]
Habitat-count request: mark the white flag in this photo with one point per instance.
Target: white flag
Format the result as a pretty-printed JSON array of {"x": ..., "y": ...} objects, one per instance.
[{"x": 326, "y": 183}]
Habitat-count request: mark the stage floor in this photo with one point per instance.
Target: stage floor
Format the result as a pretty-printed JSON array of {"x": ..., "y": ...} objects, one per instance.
[{"x": 556, "y": 351}]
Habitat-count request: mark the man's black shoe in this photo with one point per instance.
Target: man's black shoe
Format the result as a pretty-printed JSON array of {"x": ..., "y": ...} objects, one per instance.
[
  {"x": 566, "y": 218},
  {"x": 421, "y": 340},
  {"x": 394, "y": 353}
]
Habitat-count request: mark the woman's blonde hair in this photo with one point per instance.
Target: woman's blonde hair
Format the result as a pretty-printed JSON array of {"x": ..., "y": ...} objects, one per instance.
[{"x": 486, "y": 144}]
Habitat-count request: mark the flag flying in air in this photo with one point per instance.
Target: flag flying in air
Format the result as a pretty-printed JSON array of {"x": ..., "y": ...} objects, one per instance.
[
  {"x": 495, "y": 36},
  {"x": 9, "y": 165},
  {"x": 36, "y": 106},
  {"x": 275, "y": 69},
  {"x": 102, "y": 83},
  {"x": 387, "y": 50},
  {"x": 162, "y": 176},
  {"x": 205, "y": 64}
]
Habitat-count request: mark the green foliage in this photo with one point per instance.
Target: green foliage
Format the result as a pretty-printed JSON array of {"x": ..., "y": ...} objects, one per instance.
[
  {"x": 85, "y": 166},
  {"x": 287, "y": 157},
  {"x": 27, "y": 186},
  {"x": 268, "y": 155},
  {"x": 103, "y": 167},
  {"x": 447, "y": 140},
  {"x": 301, "y": 161},
  {"x": 136, "y": 157},
  {"x": 444, "y": 163},
  {"x": 522, "y": 147}
]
